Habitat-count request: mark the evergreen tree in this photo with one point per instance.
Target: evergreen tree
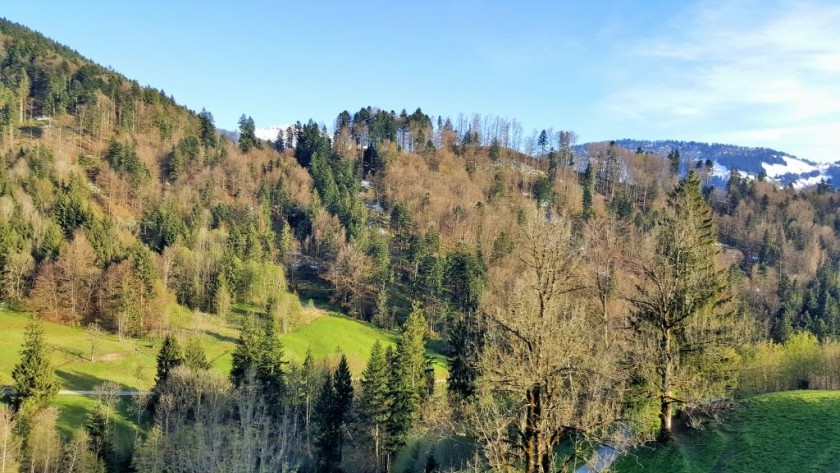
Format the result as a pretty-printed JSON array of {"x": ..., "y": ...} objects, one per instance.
[
  {"x": 169, "y": 356},
  {"x": 681, "y": 305},
  {"x": 194, "y": 356},
  {"x": 495, "y": 150},
  {"x": 373, "y": 402},
  {"x": 326, "y": 436},
  {"x": 674, "y": 160},
  {"x": 588, "y": 192},
  {"x": 207, "y": 129},
  {"x": 332, "y": 412},
  {"x": 343, "y": 387},
  {"x": 403, "y": 403},
  {"x": 270, "y": 367},
  {"x": 464, "y": 348},
  {"x": 35, "y": 384},
  {"x": 247, "y": 139},
  {"x": 246, "y": 353},
  {"x": 98, "y": 428}
]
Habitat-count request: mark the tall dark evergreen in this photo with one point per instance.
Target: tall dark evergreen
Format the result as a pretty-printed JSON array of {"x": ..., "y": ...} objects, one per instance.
[
  {"x": 247, "y": 137},
  {"x": 98, "y": 427},
  {"x": 34, "y": 376},
  {"x": 169, "y": 357},
  {"x": 464, "y": 349},
  {"x": 207, "y": 129},
  {"x": 374, "y": 404},
  {"x": 588, "y": 192},
  {"x": 681, "y": 306},
  {"x": 332, "y": 412}
]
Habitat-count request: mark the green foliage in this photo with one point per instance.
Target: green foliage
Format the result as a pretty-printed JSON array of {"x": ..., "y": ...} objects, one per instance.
[
  {"x": 162, "y": 227},
  {"x": 332, "y": 411},
  {"x": 34, "y": 376},
  {"x": 247, "y": 139},
  {"x": 207, "y": 130},
  {"x": 465, "y": 279},
  {"x": 169, "y": 357},
  {"x": 258, "y": 358},
  {"x": 194, "y": 356},
  {"x": 773, "y": 433},
  {"x": 310, "y": 142},
  {"x": 465, "y": 344},
  {"x": 588, "y": 192},
  {"x": 100, "y": 433},
  {"x": 124, "y": 160}
]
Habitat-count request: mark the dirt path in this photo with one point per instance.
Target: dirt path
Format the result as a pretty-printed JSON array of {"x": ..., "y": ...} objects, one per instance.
[{"x": 74, "y": 392}]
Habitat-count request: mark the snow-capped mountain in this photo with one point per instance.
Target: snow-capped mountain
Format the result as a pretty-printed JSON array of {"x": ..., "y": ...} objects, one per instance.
[
  {"x": 779, "y": 166},
  {"x": 270, "y": 133}
]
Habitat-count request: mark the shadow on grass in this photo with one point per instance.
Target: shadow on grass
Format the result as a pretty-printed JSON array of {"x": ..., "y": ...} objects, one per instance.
[{"x": 80, "y": 382}]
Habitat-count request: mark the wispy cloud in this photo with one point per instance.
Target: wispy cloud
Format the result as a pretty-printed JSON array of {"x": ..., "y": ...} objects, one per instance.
[{"x": 765, "y": 73}]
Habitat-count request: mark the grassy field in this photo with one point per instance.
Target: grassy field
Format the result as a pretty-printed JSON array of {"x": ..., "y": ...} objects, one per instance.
[
  {"x": 778, "y": 432},
  {"x": 131, "y": 362}
]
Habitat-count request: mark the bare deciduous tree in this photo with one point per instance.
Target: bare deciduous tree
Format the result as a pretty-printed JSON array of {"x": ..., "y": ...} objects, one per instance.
[{"x": 545, "y": 367}]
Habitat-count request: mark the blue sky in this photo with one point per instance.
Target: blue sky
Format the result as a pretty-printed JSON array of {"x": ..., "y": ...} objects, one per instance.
[{"x": 758, "y": 73}]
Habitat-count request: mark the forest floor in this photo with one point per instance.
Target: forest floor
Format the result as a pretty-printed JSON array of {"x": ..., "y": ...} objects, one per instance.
[{"x": 778, "y": 432}]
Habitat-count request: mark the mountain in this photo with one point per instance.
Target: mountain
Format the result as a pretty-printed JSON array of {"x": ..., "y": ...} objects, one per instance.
[
  {"x": 270, "y": 133},
  {"x": 785, "y": 169}
]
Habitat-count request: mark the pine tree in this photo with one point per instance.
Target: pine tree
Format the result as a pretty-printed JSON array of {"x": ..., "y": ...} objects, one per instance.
[
  {"x": 373, "y": 402},
  {"x": 207, "y": 129},
  {"x": 247, "y": 139},
  {"x": 332, "y": 411},
  {"x": 245, "y": 355},
  {"x": 343, "y": 386},
  {"x": 464, "y": 347},
  {"x": 169, "y": 357},
  {"x": 194, "y": 356},
  {"x": 326, "y": 434},
  {"x": 681, "y": 305},
  {"x": 588, "y": 192},
  {"x": 270, "y": 367},
  {"x": 98, "y": 428},
  {"x": 403, "y": 403},
  {"x": 35, "y": 384}
]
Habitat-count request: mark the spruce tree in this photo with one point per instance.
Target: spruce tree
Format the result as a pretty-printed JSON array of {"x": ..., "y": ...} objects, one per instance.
[
  {"x": 403, "y": 402},
  {"x": 169, "y": 356},
  {"x": 194, "y": 356},
  {"x": 464, "y": 348},
  {"x": 270, "y": 367},
  {"x": 98, "y": 428},
  {"x": 245, "y": 355},
  {"x": 343, "y": 386},
  {"x": 681, "y": 306},
  {"x": 326, "y": 429},
  {"x": 374, "y": 402},
  {"x": 35, "y": 384},
  {"x": 588, "y": 192}
]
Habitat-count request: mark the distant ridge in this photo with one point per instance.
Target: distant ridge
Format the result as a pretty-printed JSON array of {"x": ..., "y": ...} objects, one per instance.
[{"x": 784, "y": 168}]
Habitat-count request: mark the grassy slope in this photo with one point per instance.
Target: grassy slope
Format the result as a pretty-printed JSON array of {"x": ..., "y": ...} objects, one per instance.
[
  {"x": 778, "y": 432},
  {"x": 131, "y": 362}
]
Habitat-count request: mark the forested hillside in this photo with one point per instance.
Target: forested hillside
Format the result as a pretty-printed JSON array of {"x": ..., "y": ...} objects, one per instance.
[{"x": 576, "y": 297}]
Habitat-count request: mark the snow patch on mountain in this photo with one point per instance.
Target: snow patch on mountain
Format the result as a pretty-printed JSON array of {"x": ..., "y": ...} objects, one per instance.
[
  {"x": 792, "y": 166},
  {"x": 270, "y": 133}
]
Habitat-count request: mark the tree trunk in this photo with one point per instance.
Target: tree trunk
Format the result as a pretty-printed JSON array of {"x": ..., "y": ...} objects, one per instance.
[
  {"x": 532, "y": 432},
  {"x": 666, "y": 407}
]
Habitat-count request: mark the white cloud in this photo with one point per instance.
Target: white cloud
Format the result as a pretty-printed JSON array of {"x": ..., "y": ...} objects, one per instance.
[{"x": 767, "y": 72}]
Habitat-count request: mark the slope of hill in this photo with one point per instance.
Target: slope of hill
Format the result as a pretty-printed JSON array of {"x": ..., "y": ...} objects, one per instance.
[
  {"x": 131, "y": 362},
  {"x": 779, "y": 166},
  {"x": 779, "y": 432}
]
